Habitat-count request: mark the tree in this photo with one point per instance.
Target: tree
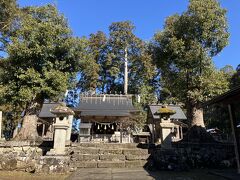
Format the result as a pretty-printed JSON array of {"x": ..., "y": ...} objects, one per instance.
[
  {"x": 235, "y": 80},
  {"x": 228, "y": 70},
  {"x": 184, "y": 50},
  {"x": 122, "y": 63},
  {"x": 8, "y": 13},
  {"x": 42, "y": 62},
  {"x": 94, "y": 76},
  {"x": 128, "y": 59}
]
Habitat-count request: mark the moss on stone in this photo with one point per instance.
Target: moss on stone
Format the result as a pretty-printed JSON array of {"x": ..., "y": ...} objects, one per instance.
[{"x": 166, "y": 110}]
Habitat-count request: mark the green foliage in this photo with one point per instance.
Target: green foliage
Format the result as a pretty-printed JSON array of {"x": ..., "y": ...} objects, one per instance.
[
  {"x": 183, "y": 52},
  {"x": 106, "y": 56},
  {"x": 217, "y": 117},
  {"x": 8, "y": 13},
  {"x": 235, "y": 79},
  {"x": 43, "y": 57},
  {"x": 93, "y": 73},
  {"x": 140, "y": 117}
]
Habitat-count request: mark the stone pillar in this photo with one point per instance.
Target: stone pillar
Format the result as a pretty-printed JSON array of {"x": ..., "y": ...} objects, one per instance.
[
  {"x": 60, "y": 129},
  {"x": 166, "y": 134},
  {"x": 69, "y": 130},
  {"x": 0, "y": 125},
  {"x": 60, "y": 133}
]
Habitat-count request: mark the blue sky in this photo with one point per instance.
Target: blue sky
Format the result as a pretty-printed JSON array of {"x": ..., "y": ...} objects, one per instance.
[{"x": 89, "y": 16}]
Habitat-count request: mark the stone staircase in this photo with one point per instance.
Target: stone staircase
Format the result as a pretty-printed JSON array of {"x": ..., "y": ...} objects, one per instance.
[{"x": 107, "y": 155}]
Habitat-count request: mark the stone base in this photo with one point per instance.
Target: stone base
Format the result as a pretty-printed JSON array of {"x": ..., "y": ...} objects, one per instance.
[
  {"x": 68, "y": 143},
  {"x": 52, "y": 152},
  {"x": 53, "y": 164}
]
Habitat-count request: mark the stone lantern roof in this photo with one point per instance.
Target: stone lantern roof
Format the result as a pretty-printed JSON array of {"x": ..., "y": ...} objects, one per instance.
[
  {"x": 62, "y": 109},
  {"x": 164, "y": 110}
]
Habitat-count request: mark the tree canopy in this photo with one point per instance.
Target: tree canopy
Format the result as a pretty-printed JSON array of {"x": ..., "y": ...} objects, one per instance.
[
  {"x": 42, "y": 57},
  {"x": 184, "y": 50},
  {"x": 107, "y": 56}
]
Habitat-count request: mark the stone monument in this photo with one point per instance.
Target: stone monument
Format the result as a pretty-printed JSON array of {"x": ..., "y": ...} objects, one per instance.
[
  {"x": 166, "y": 126},
  {"x": 60, "y": 129}
]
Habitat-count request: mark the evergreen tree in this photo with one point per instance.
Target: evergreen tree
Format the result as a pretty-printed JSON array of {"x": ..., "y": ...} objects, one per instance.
[
  {"x": 42, "y": 62},
  {"x": 235, "y": 80},
  {"x": 184, "y": 51}
]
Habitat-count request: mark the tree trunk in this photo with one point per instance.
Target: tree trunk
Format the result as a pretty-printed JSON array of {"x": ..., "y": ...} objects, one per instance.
[
  {"x": 197, "y": 117},
  {"x": 28, "y": 130}
]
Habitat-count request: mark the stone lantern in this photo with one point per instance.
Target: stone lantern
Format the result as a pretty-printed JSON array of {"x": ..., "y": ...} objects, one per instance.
[
  {"x": 60, "y": 128},
  {"x": 166, "y": 126}
]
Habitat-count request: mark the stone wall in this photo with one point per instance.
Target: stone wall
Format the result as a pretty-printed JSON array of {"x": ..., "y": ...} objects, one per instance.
[
  {"x": 29, "y": 156},
  {"x": 190, "y": 156}
]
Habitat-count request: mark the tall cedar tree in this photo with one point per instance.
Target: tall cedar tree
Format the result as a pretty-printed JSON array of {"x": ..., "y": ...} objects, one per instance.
[
  {"x": 109, "y": 55},
  {"x": 184, "y": 51},
  {"x": 123, "y": 43}
]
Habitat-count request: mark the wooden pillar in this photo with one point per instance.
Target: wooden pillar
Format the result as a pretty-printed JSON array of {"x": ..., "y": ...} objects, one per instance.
[
  {"x": 181, "y": 132},
  {"x": 153, "y": 132},
  {"x": 233, "y": 121}
]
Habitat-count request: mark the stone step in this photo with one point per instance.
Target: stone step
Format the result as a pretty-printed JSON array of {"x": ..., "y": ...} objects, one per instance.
[
  {"x": 109, "y": 164},
  {"x": 96, "y": 157},
  {"x": 136, "y": 163},
  {"x": 131, "y": 157},
  {"x": 107, "y": 145},
  {"x": 107, "y": 157},
  {"x": 85, "y": 164},
  {"x": 135, "y": 151},
  {"x": 84, "y": 157},
  {"x": 110, "y": 151},
  {"x": 94, "y": 151},
  {"x": 112, "y": 157},
  {"x": 85, "y": 150}
]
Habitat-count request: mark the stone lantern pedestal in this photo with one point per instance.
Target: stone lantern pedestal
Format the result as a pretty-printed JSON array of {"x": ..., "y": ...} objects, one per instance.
[
  {"x": 166, "y": 127},
  {"x": 60, "y": 129},
  {"x": 166, "y": 134}
]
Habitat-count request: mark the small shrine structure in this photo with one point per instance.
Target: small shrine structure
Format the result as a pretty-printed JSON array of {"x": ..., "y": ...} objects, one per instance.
[
  {"x": 105, "y": 118},
  {"x": 46, "y": 120}
]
